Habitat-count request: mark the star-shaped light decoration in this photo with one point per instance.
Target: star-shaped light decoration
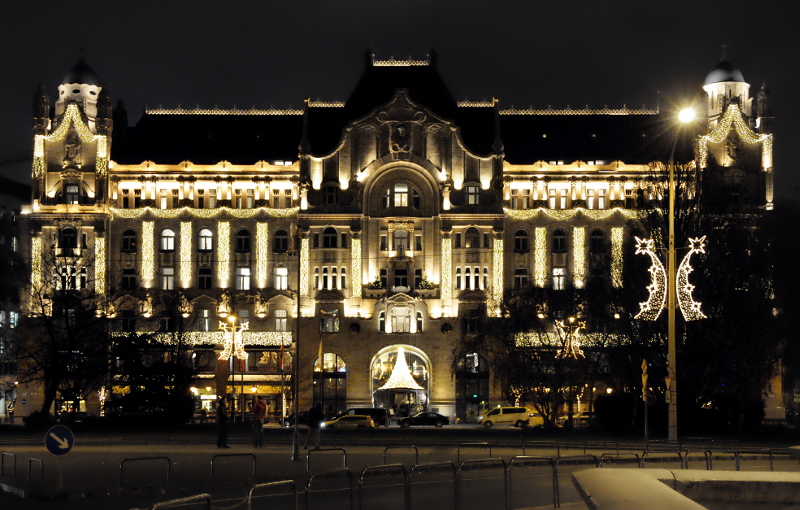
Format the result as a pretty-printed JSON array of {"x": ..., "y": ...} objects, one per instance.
[
  {"x": 233, "y": 343},
  {"x": 651, "y": 309},
  {"x": 689, "y": 307}
]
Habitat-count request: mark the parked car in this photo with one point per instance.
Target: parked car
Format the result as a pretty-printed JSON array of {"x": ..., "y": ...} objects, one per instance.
[
  {"x": 515, "y": 416},
  {"x": 301, "y": 420},
  {"x": 425, "y": 418},
  {"x": 582, "y": 419},
  {"x": 535, "y": 419},
  {"x": 350, "y": 421},
  {"x": 378, "y": 414}
]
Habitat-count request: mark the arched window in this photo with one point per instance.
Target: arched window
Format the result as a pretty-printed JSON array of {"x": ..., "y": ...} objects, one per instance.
[
  {"x": 559, "y": 241},
  {"x": 329, "y": 238},
  {"x": 521, "y": 241},
  {"x": 167, "y": 240},
  {"x": 281, "y": 242},
  {"x": 597, "y": 241},
  {"x": 243, "y": 241},
  {"x": 129, "y": 241},
  {"x": 472, "y": 238},
  {"x": 205, "y": 241}
]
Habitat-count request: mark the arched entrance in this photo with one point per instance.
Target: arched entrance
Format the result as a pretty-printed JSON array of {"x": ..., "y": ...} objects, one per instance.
[{"x": 400, "y": 379}]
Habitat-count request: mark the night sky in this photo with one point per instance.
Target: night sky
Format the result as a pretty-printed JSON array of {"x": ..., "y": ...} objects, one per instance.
[{"x": 524, "y": 52}]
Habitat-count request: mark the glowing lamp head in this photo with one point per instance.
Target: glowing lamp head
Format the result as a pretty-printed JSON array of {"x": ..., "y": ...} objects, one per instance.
[{"x": 686, "y": 115}]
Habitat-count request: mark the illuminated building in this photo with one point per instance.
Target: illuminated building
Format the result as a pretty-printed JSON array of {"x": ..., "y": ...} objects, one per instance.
[{"x": 404, "y": 215}]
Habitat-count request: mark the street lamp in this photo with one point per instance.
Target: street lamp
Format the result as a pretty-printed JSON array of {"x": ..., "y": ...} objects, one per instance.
[
  {"x": 684, "y": 117},
  {"x": 296, "y": 360},
  {"x": 234, "y": 348}
]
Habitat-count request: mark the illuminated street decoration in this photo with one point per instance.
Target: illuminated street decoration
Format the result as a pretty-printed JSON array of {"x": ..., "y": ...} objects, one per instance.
[
  {"x": 689, "y": 307},
  {"x": 401, "y": 378},
  {"x": 569, "y": 331},
  {"x": 651, "y": 309},
  {"x": 36, "y": 269},
  {"x": 234, "y": 345},
  {"x": 304, "y": 258}
]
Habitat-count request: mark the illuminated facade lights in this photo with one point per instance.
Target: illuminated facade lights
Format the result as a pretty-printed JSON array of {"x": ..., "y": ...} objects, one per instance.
[
  {"x": 569, "y": 330},
  {"x": 617, "y": 240},
  {"x": 262, "y": 252},
  {"x": 540, "y": 257},
  {"x": 579, "y": 257},
  {"x": 148, "y": 254},
  {"x": 185, "y": 259},
  {"x": 224, "y": 253}
]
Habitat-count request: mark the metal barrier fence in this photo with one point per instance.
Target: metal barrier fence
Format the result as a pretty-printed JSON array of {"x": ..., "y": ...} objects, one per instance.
[
  {"x": 325, "y": 451},
  {"x": 41, "y": 469},
  {"x": 229, "y": 455},
  {"x": 416, "y": 452},
  {"x": 270, "y": 497},
  {"x": 122, "y": 467},
  {"x": 3, "y": 456}
]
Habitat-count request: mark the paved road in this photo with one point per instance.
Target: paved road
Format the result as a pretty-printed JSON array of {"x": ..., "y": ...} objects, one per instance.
[{"x": 130, "y": 470}]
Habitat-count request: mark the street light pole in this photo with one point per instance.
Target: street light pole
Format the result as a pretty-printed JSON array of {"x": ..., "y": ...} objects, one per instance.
[{"x": 296, "y": 361}]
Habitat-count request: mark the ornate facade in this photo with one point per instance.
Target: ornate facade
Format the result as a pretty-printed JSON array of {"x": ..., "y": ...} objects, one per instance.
[{"x": 392, "y": 222}]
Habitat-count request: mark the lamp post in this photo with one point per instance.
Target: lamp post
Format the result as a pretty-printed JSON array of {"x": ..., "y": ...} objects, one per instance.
[
  {"x": 296, "y": 361},
  {"x": 685, "y": 116}
]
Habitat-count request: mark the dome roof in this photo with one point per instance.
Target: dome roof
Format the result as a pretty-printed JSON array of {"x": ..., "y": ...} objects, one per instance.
[
  {"x": 724, "y": 72},
  {"x": 81, "y": 73}
]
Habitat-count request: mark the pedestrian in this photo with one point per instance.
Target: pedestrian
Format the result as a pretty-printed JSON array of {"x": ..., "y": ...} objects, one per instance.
[
  {"x": 222, "y": 423},
  {"x": 315, "y": 418},
  {"x": 258, "y": 412}
]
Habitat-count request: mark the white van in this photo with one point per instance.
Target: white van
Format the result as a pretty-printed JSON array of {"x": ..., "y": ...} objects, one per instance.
[{"x": 515, "y": 416}]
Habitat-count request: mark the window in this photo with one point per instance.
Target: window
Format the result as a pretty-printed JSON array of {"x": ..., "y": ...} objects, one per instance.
[
  {"x": 201, "y": 198},
  {"x": 457, "y": 241},
  {"x": 281, "y": 320},
  {"x": 559, "y": 241},
  {"x": 281, "y": 242},
  {"x": 68, "y": 241},
  {"x": 401, "y": 320},
  {"x": 212, "y": 198},
  {"x": 344, "y": 240},
  {"x": 167, "y": 278},
  {"x": 415, "y": 199},
  {"x": 243, "y": 241},
  {"x": 129, "y": 241},
  {"x": 204, "y": 319},
  {"x": 418, "y": 243},
  {"x": 597, "y": 241},
  {"x": 176, "y": 201},
  {"x": 237, "y": 198},
  {"x": 204, "y": 278},
  {"x": 167, "y": 240},
  {"x": 329, "y": 322},
  {"x": 72, "y": 194},
  {"x": 242, "y": 278},
  {"x": 559, "y": 278},
  {"x": 343, "y": 284},
  {"x": 400, "y": 240},
  {"x": 520, "y": 198},
  {"x": 419, "y": 322},
  {"x": 384, "y": 243},
  {"x": 205, "y": 241},
  {"x": 401, "y": 277},
  {"x": 281, "y": 278},
  {"x": 251, "y": 198},
  {"x": 126, "y": 199},
  {"x": 401, "y": 195},
  {"x": 473, "y": 195},
  {"x": 384, "y": 277},
  {"x": 472, "y": 238},
  {"x": 520, "y": 278},
  {"x": 166, "y": 322},
  {"x": 458, "y": 278},
  {"x": 329, "y": 238},
  {"x": 70, "y": 278},
  {"x": 163, "y": 198},
  {"x": 417, "y": 278},
  {"x": 521, "y": 241},
  {"x": 129, "y": 278},
  {"x": 137, "y": 198},
  {"x": 330, "y": 195},
  {"x": 276, "y": 198},
  {"x": 601, "y": 199},
  {"x": 382, "y": 322}
]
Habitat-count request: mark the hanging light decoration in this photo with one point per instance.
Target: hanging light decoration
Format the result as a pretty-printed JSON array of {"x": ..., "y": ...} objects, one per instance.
[
  {"x": 401, "y": 378},
  {"x": 570, "y": 330}
]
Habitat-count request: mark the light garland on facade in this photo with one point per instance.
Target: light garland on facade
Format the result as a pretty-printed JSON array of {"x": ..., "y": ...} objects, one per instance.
[
  {"x": 568, "y": 214},
  {"x": 540, "y": 257},
  {"x": 148, "y": 253},
  {"x": 401, "y": 378},
  {"x": 36, "y": 269},
  {"x": 651, "y": 309},
  {"x": 304, "y": 258},
  {"x": 689, "y": 307},
  {"x": 497, "y": 276},
  {"x": 224, "y": 253},
  {"x": 186, "y": 254},
  {"x": 72, "y": 117},
  {"x": 392, "y": 62},
  {"x": 234, "y": 345},
  {"x": 355, "y": 267},
  {"x": 259, "y": 338},
  {"x": 585, "y": 111},
  {"x": 551, "y": 338},
  {"x": 194, "y": 212},
  {"x": 262, "y": 253},
  {"x": 733, "y": 117},
  {"x": 579, "y": 257},
  {"x": 217, "y": 111},
  {"x": 617, "y": 240},
  {"x": 447, "y": 268},
  {"x": 100, "y": 265}
]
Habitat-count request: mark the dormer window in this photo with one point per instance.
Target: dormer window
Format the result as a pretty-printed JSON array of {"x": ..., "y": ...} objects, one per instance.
[
  {"x": 72, "y": 194},
  {"x": 473, "y": 195}
]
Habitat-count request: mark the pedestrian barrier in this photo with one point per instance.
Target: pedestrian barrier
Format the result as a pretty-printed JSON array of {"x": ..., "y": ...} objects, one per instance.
[
  {"x": 389, "y": 495},
  {"x": 703, "y": 456},
  {"x": 722, "y": 457},
  {"x": 191, "y": 501},
  {"x": 122, "y": 466},
  {"x": 229, "y": 455},
  {"x": 481, "y": 491},
  {"x": 527, "y": 463},
  {"x": 424, "y": 484},
  {"x": 323, "y": 451},
  {"x": 3, "y": 456},
  {"x": 662, "y": 460},
  {"x": 620, "y": 458},
  {"x": 416, "y": 452},
  {"x": 485, "y": 446},
  {"x": 331, "y": 488},
  {"x": 41, "y": 468},
  {"x": 565, "y": 466},
  {"x": 271, "y": 500}
]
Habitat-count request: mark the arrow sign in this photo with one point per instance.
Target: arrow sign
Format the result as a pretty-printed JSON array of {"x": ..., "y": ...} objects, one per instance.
[{"x": 59, "y": 440}]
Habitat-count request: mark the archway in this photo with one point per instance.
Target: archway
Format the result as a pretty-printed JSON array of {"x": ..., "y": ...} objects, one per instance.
[{"x": 400, "y": 377}]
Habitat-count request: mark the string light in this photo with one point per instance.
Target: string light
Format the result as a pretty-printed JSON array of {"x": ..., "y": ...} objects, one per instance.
[
  {"x": 72, "y": 117},
  {"x": 100, "y": 265},
  {"x": 193, "y": 212},
  {"x": 540, "y": 257},
  {"x": 569, "y": 214},
  {"x": 262, "y": 253},
  {"x": 550, "y": 338},
  {"x": 447, "y": 268},
  {"x": 569, "y": 332},
  {"x": 651, "y": 309},
  {"x": 148, "y": 253},
  {"x": 689, "y": 307},
  {"x": 186, "y": 254},
  {"x": 579, "y": 257},
  {"x": 234, "y": 345},
  {"x": 36, "y": 270},
  {"x": 497, "y": 275},
  {"x": 401, "y": 378},
  {"x": 355, "y": 270},
  {"x": 224, "y": 253},
  {"x": 304, "y": 257},
  {"x": 733, "y": 117},
  {"x": 617, "y": 239}
]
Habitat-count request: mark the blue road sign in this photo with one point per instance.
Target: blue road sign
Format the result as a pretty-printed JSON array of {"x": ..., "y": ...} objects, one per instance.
[{"x": 59, "y": 440}]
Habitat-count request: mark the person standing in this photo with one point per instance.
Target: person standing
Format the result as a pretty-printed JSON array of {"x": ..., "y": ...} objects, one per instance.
[
  {"x": 222, "y": 423},
  {"x": 315, "y": 418},
  {"x": 258, "y": 412}
]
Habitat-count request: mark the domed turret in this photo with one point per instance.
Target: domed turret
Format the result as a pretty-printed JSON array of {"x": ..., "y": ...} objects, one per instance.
[
  {"x": 725, "y": 85},
  {"x": 725, "y": 71},
  {"x": 82, "y": 87}
]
